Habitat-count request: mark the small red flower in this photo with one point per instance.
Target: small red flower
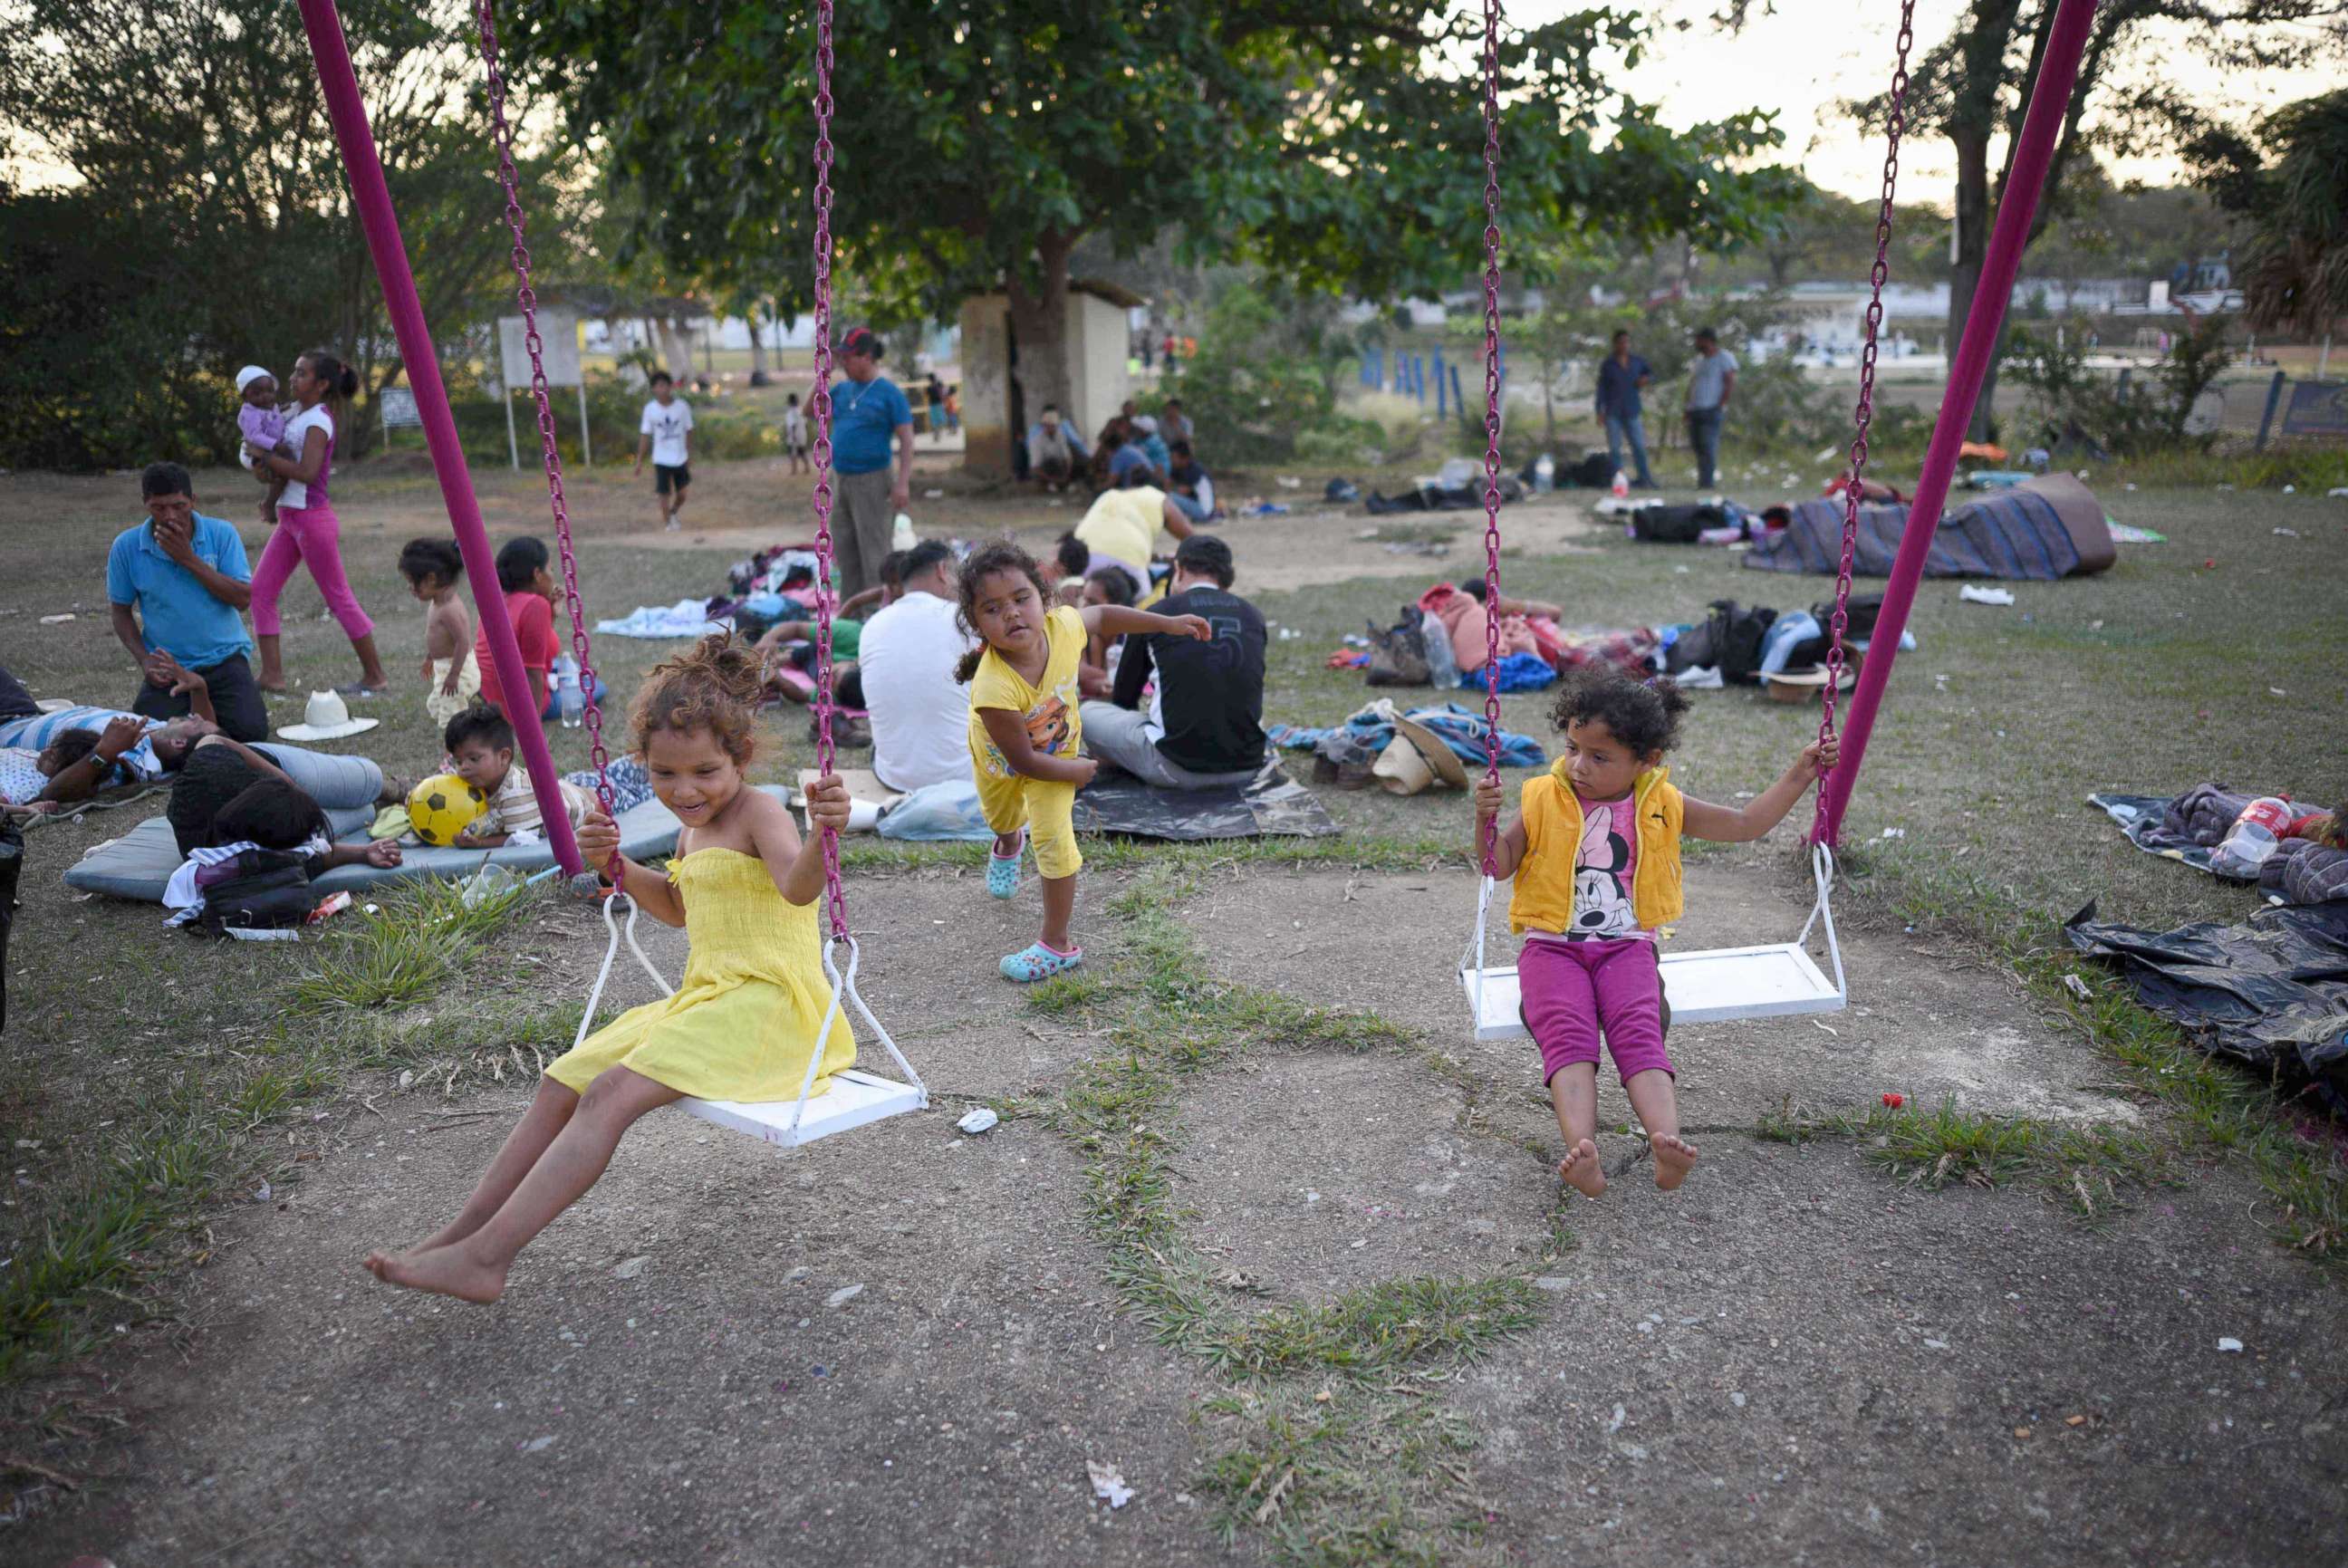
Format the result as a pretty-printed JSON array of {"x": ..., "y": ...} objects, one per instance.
[
  {"x": 1895, "y": 1101},
  {"x": 2210, "y": 564}
]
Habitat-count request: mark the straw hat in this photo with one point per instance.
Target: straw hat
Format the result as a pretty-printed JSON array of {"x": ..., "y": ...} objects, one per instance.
[
  {"x": 327, "y": 717},
  {"x": 1798, "y": 685},
  {"x": 1416, "y": 759}
]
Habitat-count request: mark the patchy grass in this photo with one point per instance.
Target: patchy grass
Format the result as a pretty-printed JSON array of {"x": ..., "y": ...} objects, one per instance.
[
  {"x": 2087, "y": 1167},
  {"x": 420, "y": 936},
  {"x": 1330, "y": 1445}
]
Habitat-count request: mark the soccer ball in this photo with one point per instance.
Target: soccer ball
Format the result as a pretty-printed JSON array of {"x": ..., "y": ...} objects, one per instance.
[{"x": 442, "y": 806}]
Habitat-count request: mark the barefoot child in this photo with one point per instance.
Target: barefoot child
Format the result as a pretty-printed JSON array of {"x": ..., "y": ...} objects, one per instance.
[
  {"x": 1025, "y": 733},
  {"x": 744, "y": 885},
  {"x": 1595, "y": 851},
  {"x": 452, "y": 676}
]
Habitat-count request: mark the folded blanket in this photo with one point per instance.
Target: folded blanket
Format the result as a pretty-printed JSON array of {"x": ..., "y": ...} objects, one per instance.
[
  {"x": 686, "y": 618},
  {"x": 1371, "y": 728}
]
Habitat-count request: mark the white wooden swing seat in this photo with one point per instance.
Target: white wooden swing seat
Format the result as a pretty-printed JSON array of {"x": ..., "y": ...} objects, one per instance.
[
  {"x": 1708, "y": 986},
  {"x": 855, "y": 1097}
]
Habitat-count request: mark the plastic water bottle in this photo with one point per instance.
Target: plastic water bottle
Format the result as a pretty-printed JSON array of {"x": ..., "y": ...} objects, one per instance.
[
  {"x": 2250, "y": 843},
  {"x": 570, "y": 701},
  {"x": 1621, "y": 487},
  {"x": 1544, "y": 474},
  {"x": 900, "y": 533}
]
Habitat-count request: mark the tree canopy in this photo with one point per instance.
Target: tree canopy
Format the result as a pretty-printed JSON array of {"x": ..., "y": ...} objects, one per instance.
[
  {"x": 1337, "y": 142},
  {"x": 2289, "y": 183},
  {"x": 206, "y": 223}
]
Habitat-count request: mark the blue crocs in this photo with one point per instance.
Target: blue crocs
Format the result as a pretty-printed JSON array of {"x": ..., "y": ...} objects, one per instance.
[
  {"x": 1039, "y": 963},
  {"x": 1003, "y": 870}
]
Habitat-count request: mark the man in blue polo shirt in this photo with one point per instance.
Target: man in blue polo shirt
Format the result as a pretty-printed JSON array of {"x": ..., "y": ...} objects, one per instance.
[
  {"x": 868, "y": 413},
  {"x": 178, "y": 586}
]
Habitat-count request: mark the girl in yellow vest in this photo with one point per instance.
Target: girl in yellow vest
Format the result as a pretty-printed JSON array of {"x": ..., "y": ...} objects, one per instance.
[
  {"x": 1595, "y": 851},
  {"x": 1026, "y": 735}
]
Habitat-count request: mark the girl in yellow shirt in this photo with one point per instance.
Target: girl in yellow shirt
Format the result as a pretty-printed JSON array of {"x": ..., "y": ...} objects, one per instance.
[
  {"x": 1595, "y": 852},
  {"x": 744, "y": 884},
  {"x": 1025, "y": 733}
]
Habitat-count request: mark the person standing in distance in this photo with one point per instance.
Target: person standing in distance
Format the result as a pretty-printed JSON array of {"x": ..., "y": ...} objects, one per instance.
[
  {"x": 665, "y": 435},
  {"x": 1620, "y": 375},
  {"x": 869, "y": 414},
  {"x": 1712, "y": 379}
]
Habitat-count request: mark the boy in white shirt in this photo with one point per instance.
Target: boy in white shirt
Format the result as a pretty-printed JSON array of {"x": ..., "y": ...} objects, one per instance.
[{"x": 664, "y": 436}]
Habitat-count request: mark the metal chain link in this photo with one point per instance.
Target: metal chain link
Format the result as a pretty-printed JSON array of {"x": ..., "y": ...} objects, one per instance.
[
  {"x": 1864, "y": 415},
  {"x": 485, "y": 16},
  {"x": 819, "y": 410},
  {"x": 1491, "y": 417}
]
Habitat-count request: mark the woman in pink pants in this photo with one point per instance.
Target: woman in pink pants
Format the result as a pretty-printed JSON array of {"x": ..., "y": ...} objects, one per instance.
[{"x": 306, "y": 529}]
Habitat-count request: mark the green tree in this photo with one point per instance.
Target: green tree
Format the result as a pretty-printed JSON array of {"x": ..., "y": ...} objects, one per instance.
[
  {"x": 1338, "y": 143},
  {"x": 1973, "y": 90},
  {"x": 2289, "y": 187},
  {"x": 204, "y": 205}
]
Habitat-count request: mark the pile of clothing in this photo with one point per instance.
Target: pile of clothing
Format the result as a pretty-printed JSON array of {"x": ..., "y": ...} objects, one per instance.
[
  {"x": 1445, "y": 638},
  {"x": 1405, "y": 751},
  {"x": 2309, "y": 866}
]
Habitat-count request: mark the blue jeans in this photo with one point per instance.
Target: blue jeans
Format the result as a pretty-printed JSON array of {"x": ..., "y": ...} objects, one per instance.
[
  {"x": 1188, "y": 505},
  {"x": 1631, "y": 427},
  {"x": 1703, "y": 436},
  {"x": 553, "y": 709}
]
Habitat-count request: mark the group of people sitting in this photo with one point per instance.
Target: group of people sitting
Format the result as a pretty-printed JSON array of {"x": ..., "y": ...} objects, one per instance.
[
  {"x": 1175, "y": 712},
  {"x": 1132, "y": 449}
]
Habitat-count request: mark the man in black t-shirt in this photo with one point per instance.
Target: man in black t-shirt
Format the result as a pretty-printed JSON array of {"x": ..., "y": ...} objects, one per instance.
[{"x": 1203, "y": 729}]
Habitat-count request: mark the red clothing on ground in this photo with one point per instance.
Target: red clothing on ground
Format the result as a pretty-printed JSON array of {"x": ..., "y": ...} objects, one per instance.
[{"x": 533, "y": 624}]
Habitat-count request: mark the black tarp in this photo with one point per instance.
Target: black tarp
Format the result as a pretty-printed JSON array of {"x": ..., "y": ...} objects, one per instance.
[
  {"x": 1273, "y": 804},
  {"x": 2271, "y": 994}
]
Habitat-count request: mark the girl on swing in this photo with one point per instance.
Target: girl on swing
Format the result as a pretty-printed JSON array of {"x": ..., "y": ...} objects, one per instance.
[
  {"x": 745, "y": 886},
  {"x": 1595, "y": 851}
]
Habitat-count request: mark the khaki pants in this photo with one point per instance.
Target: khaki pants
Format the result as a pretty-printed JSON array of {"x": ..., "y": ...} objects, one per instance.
[{"x": 860, "y": 527}]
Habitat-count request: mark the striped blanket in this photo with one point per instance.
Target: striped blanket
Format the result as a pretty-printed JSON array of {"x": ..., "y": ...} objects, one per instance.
[{"x": 2015, "y": 534}]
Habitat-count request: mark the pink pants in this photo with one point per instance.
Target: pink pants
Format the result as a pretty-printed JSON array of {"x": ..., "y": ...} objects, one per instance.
[
  {"x": 1573, "y": 992},
  {"x": 309, "y": 534}
]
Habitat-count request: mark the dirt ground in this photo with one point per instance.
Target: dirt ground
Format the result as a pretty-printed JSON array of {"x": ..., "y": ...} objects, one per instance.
[
  {"x": 1788, "y": 1356},
  {"x": 1793, "y": 1357}
]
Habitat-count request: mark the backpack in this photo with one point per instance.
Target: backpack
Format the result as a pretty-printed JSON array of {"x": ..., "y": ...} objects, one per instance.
[
  {"x": 1596, "y": 470},
  {"x": 1675, "y": 524},
  {"x": 268, "y": 888},
  {"x": 1858, "y": 628},
  {"x": 1397, "y": 656},
  {"x": 1730, "y": 638}
]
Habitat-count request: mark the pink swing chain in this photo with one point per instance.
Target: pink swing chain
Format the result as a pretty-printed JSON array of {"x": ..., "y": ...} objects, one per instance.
[
  {"x": 1491, "y": 417},
  {"x": 486, "y": 18},
  {"x": 819, "y": 408},
  {"x": 1864, "y": 416}
]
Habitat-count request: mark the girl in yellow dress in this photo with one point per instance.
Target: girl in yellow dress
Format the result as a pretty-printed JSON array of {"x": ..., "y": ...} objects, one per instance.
[
  {"x": 745, "y": 886},
  {"x": 1026, "y": 731}
]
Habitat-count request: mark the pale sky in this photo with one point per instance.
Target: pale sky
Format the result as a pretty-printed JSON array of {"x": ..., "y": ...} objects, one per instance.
[{"x": 1809, "y": 54}]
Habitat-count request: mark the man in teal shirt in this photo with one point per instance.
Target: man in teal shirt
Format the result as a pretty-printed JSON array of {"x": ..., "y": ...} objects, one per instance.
[
  {"x": 868, "y": 413},
  {"x": 178, "y": 586}
]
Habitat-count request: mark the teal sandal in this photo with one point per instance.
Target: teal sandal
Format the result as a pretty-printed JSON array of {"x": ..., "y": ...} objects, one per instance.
[
  {"x": 1003, "y": 870},
  {"x": 1038, "y": 961}
]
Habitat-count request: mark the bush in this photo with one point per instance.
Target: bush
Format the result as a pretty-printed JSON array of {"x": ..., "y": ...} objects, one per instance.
[
  {"x": 1265, "y": 376},
  {"x": 2069, "y": 403}
]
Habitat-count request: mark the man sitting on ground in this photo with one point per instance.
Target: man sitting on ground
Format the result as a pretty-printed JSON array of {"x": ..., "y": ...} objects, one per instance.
[
  {"x": 1192, "y": 490},
  {"x": 920, "y": 714},
  {"x": 1128, "y": 465},
  {"x": 1204, "y": 726},
  {"x": 1056, "y": 452},
  {"x": 179, "y": 586}
]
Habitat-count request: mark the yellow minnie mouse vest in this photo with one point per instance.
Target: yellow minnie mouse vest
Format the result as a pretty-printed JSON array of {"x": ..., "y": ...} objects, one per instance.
[{"x": 1543, "y": 898}]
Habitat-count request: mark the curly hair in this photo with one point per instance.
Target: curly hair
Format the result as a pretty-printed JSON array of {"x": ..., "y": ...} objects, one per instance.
[
  {"x": 1644, "y": 716},
  {"x": 984, "y": 563},
  {"x": 714, "y": 685}
]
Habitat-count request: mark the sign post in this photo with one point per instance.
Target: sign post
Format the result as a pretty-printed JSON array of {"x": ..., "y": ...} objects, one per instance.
[{"x": 558, "y": 353}]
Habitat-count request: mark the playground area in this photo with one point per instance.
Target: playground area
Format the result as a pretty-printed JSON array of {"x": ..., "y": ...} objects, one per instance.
[
  {"x": 1964, "y": 1175},
  {"x": 1260, "y": 1234}
]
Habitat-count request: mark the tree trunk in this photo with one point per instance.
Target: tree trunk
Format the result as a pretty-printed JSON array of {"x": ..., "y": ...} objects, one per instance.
[
  {"x": 1039, "y": 327},
  {"x": 1972, "y": 248},
  {"x": 758, "y": 376}
]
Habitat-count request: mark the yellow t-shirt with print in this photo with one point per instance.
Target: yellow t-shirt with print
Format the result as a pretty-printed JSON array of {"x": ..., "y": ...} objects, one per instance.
[{"x": 1055, "y": 727}]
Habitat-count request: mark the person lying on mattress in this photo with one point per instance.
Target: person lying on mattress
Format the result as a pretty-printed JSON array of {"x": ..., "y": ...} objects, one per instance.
[
  {"x": 217, "y": 769},
  {"x": 257, "y": 857}
]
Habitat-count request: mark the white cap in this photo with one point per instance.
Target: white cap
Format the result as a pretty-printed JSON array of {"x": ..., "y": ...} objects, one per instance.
[
  {"x": 250, "y": 373},
  {"x": 1141, "y": 422}
]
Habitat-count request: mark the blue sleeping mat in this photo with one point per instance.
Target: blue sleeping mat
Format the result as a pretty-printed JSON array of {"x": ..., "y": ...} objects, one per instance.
[{"x": 138, "y": 864}]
